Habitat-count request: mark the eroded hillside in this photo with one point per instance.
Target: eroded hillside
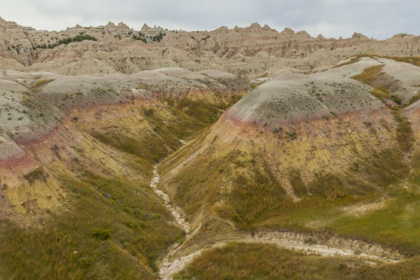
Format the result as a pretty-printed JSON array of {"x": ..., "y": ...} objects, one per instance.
[
  {"x": 126, "y": 154},
  {"x": 250, "y": 52},
  {"x": 314, "y": 152},
  {"x": 76, "y": 159}
]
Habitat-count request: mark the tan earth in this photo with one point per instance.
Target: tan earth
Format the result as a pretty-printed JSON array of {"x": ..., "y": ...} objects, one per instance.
[
  {"x": 249, "y": 52},
  {"x": 209, "y": 118}
]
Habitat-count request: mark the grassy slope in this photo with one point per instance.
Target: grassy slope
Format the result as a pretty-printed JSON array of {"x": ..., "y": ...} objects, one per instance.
[
  {"x": 203, "y": 112},
  {"x": 260, "y": 261},
  {"x": 412, "y": 60},
  {"x": 158, "y": 140},
  {"x": 136, "y": 219},
  {"x": 138, "y": 223},
  {"x": 256, "y": 200},
  {"x": 396, "y": 225}
]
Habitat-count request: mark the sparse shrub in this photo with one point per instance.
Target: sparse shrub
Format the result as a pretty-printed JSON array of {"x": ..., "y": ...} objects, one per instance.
[
  {"x": 149, "y": 112},
  {"x": 369, "y": 74},
  {"x": 36, "y": 175},
  {"x": 334, "y": 114},
  {"x": 278, "y": 130},
  {"x": 66, "y": 41},
  {"x": 236, "y": 217},
  {"x": 396, "y": 99},
  {"x": 404, "y": 132},
  {"x": 292, "y": 135},
  {"x": 159, "y": 37},
  {"x": 414, "y": 98},
  {"x": 101, "y": 234},
  {"x": 380, "y": 93},
  {"x": 83, "y": 262},
  {"x": 142, "y": 86},
  {"x": 39, "y": 83}
]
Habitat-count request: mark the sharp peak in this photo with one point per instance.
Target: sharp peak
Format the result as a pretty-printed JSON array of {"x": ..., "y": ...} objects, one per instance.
[
  {"x": 303, "y": 33},
  {"x": 267, "y": 27},
  {"x": 122, "y": 24},
  {"x": 255, "y": 25},
  {"x": 320, "y": 36},
  {"x": 288, "y": 30},
  {"x": 359, "y": 36}
]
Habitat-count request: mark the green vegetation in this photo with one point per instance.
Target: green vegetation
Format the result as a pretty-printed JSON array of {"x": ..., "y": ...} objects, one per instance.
[
  {"x": 155, "y": 144},
  {"x": 149, "y": 148},
  {"x": 397, "y": 225},
  {"x": 36, "y": 175},
  {"x": 114, "y": 229},
  {"x": 252, "y": 198},
  {"x": 369, "y": 74},
  {"x": 415, "y": 60},
  {"x": 254, "y": 85},
  {"x": 204, "y": 112},
  {"x": 261, "y": 261},
  {"x": 101, "y": 234},
  {"x": 404, "y": 132},
  {"x": 351, "y": 61},
  {"x": 414, "y": 98},
  {"x": 380, "y": 93},
  {"x": 257, "y": 199},
  {"x": 141, "y": 37},
  {"x": 78, "y": 38},
  {"x": 39, "y": 83},
  {"x": 158, "y": 38}
]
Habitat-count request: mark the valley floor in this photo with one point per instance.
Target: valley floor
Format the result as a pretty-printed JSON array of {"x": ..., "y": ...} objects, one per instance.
[{"x": 179, "y": 256}]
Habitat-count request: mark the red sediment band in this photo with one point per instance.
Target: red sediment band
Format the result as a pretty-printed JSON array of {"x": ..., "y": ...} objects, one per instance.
[
  {"x": 18, "y": 162},
  {"x": 24, "y": 158}
]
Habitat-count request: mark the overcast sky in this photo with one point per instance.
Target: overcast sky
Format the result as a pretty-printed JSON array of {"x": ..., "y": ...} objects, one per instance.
[{"x": 380, "y": 19}]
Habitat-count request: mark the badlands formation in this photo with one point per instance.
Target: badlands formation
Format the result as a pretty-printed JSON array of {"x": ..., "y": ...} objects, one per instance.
[
  {"x": 250, "y": 52},
  {"x": 246, "y": 134}
]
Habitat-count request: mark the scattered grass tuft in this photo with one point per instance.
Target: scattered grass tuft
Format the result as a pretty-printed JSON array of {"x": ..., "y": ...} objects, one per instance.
[
  {"x": 101, "y": 234},
  {"x": 40, "y": 83},
  {"x": 369, "y": 74},
  {"x": 36, "y": 175},
  {"x": 269, "y": 262},
  {"x": 93, "y": 240},
  {"x": 351, "y": 61},
  {"x": 380, "y": 93}
]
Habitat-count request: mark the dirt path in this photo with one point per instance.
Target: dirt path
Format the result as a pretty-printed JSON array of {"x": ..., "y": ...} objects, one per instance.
[
  {"x": 176, "y": 212},
  {"x": 180, "y": 221},
  {"x": 169, "y": 265}
]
